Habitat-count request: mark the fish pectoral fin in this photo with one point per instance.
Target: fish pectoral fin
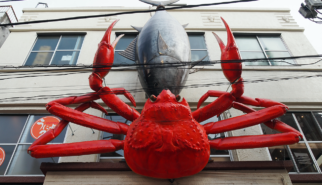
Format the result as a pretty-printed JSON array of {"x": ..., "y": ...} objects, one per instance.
[
  {"x": 185, "y": 25},
  {"x": 130, "y": 51},
  {"x": 163, "y": 47},
  {"x": 139, "y": 29}
]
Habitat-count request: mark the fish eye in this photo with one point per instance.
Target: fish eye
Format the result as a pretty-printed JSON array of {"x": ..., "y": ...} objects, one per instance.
[
  {"x": 153, "y": 98},
  {"x": 178, "y": 97}
]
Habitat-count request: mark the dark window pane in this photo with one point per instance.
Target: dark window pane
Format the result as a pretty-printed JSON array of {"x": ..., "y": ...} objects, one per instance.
[
  {"x": 302, "y": 158},
  {"x": 279, "y": 62},
  {"x": 197, "y": 42},
  {"x": 11, "y": 128},
  {"x": 125, "y": 42},
  {"x": 107, "y": 136},
  {"x": 310, "y": 128},
  {"x": 318, "y": 117},
  {"x": 272, "y": 43},
  {"x": 317, "y": 152},
  {"x": 46, "y": 43},
  {"x": 23, "y": 164},
  {"x": 8, "y": 149},
  {"x": 247, "y": 44},
  {"x": 253, "y": 55},
  {"x": 198, "y": 55},
  {"x": 27, "y": 138},
  {"x": 71, "y": 42},
  {"x": 65, "y": 58},
  {"x": 280, "y": 153},
  {"x": 39, "y": 58},
  {"x": 118, "y": 59},
  {"x": 215, "y": 136},
  {"x": 289, "y": 119}
]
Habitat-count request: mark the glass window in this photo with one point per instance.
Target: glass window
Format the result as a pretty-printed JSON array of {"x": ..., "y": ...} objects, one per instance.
[
  {"x": 121, "y": 46},
  {"x": 197, "y": 45},
  {"x": 307, "y": 154},
  {"x": 107, "y": 136},
  {"x": 17, "y": 133},
  {"x": 263, "y": 47},
  {"x": 198, "y": 48},
  {"x": 55, "y": 50}
]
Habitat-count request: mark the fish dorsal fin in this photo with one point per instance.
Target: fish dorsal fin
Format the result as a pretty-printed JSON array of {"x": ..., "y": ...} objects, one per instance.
[
  {"x": 185, "y": 25},
  {"x": 139, "y": 29},
  {"x": 159, "y": 3},
  {"x": 129, "y": 52},
  {"x": 163, "y": 47}
]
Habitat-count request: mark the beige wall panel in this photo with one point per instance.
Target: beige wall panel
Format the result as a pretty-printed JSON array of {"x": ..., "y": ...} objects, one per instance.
[{"x": 263, "y": 177}]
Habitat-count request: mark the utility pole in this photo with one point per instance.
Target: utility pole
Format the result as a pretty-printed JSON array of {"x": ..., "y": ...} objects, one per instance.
[{"x": 310, "y": 10}]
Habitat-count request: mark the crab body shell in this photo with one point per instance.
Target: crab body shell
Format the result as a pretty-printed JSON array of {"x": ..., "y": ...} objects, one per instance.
[{"x": 165, "y": 141}]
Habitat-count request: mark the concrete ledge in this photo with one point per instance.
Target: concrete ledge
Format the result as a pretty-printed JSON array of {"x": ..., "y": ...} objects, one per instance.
[
  {"x": 105, "y": 166},
  {"x": 20, "y": 180},
  {"x": 306, "y": 178}
]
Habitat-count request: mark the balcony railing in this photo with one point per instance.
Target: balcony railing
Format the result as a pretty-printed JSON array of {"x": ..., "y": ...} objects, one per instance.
[{"x": 8, "y": 10}]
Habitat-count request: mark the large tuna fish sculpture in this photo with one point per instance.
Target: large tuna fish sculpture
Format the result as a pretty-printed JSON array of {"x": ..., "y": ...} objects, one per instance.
[{"x": 161, "y": 42}]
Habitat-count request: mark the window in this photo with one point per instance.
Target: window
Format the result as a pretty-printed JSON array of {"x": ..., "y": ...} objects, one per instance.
[
  {"x": 307, "y": 154},
  {"x": 218, "y": 155},
  {"x": 197, "y": 45},
  {"x": 15, "y": 139},
  {"x": 261, "y": 46},
  {"x": 55, "y": 50},
  {"x": 121, "y": 46}
]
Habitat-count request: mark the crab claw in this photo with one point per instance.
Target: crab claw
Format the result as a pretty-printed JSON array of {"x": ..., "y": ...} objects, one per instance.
[
  {"x": 104, "y": 58},
  {"x": 231, "y": 69}
]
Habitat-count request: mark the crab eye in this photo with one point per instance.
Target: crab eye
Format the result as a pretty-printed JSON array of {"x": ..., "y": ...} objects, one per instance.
[
  {"x": 153, "y": 98},
  {"x": 178, "y": 97}
]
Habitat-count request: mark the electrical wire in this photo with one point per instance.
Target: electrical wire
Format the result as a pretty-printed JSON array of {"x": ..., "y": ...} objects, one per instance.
[
  {"x": 168, "y": 65},
  {"x": 123, "y": 13},
  {"x": 42, "y": 97}
]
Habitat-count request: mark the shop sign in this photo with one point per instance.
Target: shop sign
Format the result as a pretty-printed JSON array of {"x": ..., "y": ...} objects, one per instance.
[
  {"x": 2, "y": 155},
  {"x": 42, "y": 125}
]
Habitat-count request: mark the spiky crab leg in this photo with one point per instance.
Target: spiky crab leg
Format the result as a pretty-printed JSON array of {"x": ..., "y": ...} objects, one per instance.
[
  {"x": 232, "y": 69},
  {"x": 39, "y": 149},
  {"x": 288, "y": 136},
  {"x": 102, "y": 64}
]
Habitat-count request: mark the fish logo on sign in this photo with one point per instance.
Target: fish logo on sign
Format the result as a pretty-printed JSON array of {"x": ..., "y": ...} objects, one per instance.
[
  {"x": 42, "y": 125},
  {"x": 2, "y": 155}
]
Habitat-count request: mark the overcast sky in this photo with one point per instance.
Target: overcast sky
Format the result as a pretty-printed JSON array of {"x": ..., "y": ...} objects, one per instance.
[{"x": 312, "y": 30}]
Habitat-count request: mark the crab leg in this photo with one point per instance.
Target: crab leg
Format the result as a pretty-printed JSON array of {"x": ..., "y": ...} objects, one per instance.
[
  {"x": 73, "y": 149},
  {"x": 102, "y": 64},
  {"x": 232, "y": 69},
  {"x": 289, "y": 135},
  {"x": 86, "y": 120},
  {"x": 39, "y": 149}
]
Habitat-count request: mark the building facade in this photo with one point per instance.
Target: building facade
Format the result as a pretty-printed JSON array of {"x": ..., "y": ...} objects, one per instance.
[{"x": 259, "y": 33}]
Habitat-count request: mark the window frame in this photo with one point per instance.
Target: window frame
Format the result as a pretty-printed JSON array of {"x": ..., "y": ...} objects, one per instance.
[
  {"x": 305, "y": 142},
  {"x": 263, "y": 51},
  {"x": 18, "y": 143},
  {"x": 206, "y": 49},
  {"x": 60, "y": 34}
]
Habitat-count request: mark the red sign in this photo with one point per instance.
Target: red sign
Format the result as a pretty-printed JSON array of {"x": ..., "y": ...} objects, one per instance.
[
  {"x": 42, "y": 125},
  {"x": 2, "y": 155}
]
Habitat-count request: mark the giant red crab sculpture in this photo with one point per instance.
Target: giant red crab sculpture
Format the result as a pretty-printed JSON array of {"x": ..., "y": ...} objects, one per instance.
[{"x": 165, "y": 140}]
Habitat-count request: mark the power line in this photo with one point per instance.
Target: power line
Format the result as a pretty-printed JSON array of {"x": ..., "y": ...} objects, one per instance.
[
  {"x": 41, "y": 97},
  {"x": 123, "y": 13},
  {"x": 165, "y": 65}
]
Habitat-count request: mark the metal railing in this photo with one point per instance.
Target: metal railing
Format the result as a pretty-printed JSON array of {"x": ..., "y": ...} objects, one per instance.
[{"x": 8, "y": 9}]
